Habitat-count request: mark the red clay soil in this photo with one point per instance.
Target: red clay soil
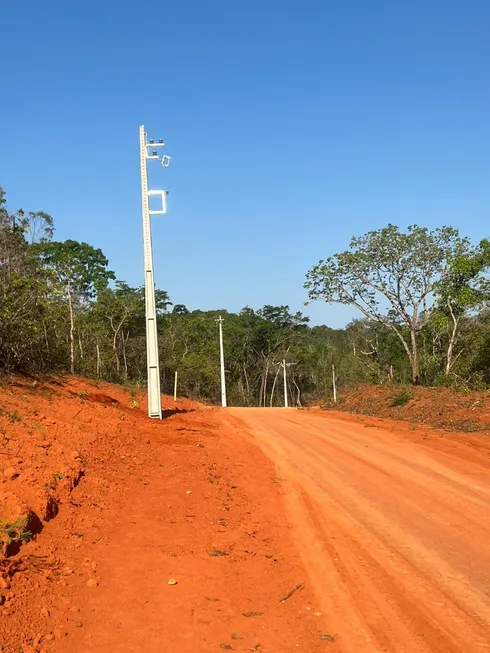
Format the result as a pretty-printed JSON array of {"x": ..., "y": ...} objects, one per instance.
[
  {"x": 392, "y": 526},
  {"x": 264, "y": 530},
  {"x": 146, "y": 536},
  {"x": 440, "y": 407}
]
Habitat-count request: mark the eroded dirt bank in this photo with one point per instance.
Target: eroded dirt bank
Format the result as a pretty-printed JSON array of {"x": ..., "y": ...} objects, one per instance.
[
  {"x": 146, "y": 536},
  {"x": 447, "y": 408}
]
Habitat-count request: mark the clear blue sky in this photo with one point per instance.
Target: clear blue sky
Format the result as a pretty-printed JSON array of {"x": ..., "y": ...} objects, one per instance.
[{"x": 291, "y": 126}]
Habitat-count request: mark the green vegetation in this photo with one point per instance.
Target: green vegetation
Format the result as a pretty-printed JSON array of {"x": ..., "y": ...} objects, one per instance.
[
  {"x": 408, "y": 282},
  {"x": 15, "y": 417},
  {"x": 422, "y": 297},
  {"x": 401, "y": 398},
  {"x": 15, "y": 531}
]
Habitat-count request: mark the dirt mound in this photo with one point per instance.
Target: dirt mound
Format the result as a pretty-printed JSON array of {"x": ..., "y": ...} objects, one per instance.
[
  {"x": 49, "y": 432},
  {"x": 101, "y": 508},
  {"x": 440, "y": 407}
]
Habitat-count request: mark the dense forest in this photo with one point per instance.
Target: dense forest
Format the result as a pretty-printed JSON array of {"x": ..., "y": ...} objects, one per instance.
[{"x": 422, "y": 298}]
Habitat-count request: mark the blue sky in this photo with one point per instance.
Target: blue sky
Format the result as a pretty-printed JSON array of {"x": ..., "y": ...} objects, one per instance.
[{"x": 291, "y": 125}]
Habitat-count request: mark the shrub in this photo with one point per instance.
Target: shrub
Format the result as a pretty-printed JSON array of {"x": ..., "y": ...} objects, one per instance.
[{"x": 401, "y": 398}]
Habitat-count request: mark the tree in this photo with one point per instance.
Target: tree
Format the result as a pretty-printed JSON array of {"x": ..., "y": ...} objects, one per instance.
[
  {"x": 119, "y": 306},
  {"x": 464, "y": 288},
  {"x": 123, "y": 309},
  {"x": 273, "y": 330},
  {"x": 180, "y": 309},
  {"x": 23, "y": 290},
  {"x": 390, "y": 269},
  {"x": 81, "y": 270},
  {"x": 424, "y": 298}
]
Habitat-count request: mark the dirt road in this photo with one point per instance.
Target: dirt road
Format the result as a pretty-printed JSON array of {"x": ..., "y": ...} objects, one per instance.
[
  {"x": 347, "y": 536},
  {"x": 393, "y": 527}
]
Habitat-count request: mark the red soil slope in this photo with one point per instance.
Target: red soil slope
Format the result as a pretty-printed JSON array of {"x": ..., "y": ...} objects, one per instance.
[
  {"x": 440, "y": 407},
  {"x": 119, "y": 507}
]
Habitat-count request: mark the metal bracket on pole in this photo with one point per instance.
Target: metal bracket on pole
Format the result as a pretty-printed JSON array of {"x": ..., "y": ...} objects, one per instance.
[{"x": 153, "y": 365}]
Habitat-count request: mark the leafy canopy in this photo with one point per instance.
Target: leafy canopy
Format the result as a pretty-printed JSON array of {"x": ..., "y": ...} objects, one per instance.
[
  {"x": 388, "y": 265},
  {"x": 78, "y": 265}
]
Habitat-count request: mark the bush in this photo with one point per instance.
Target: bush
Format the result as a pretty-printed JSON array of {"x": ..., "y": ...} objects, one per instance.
[{"x": 401, "y": 398}]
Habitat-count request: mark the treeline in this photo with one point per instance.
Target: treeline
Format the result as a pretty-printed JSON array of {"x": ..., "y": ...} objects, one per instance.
[{"x": 62, "y": 309}]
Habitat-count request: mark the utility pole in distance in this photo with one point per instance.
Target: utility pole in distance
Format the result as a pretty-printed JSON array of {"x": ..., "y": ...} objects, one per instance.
[
  {"x": 285, "y": 384},
  {"x": 284, "y": 366},
  {"x": 222, "y": 362},
  {"x": 148, "y": 151}
]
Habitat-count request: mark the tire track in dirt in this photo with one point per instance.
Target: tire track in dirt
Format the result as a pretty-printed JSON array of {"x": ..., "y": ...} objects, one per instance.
[{"x": 394, "y": 534}]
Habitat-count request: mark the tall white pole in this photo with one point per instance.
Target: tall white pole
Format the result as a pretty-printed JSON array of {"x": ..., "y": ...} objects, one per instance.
[
  {"x": 222, "y": 362},
  {"x": 286, "y": 405},
  {"x": 334, "y": 384},
  {"x": 153, "y": 367}
]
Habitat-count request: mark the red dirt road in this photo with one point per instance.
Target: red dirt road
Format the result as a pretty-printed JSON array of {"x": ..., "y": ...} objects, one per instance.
[
  {"x": 377, "y": 538},
  {"x": 393, "y": 527}
]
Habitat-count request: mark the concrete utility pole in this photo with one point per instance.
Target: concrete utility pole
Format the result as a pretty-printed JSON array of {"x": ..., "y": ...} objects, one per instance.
[
  {"x": 148, "y": 151},
  {"x": 284, "y": 367},
  {"x": 222, "y": 362},
  {"x": 285, "y": 384}
]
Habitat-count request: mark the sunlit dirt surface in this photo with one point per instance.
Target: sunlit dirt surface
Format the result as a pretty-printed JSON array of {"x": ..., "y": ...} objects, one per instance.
[{"x": 392, "y": 525}]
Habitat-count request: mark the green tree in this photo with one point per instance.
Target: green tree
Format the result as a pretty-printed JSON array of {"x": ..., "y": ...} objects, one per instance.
[
  {"x": 463, "y": 289},
  {"x": 180, "y": 309},
  {"x": 23, "y": 290},
  {"x": 273, "y": 330},
  {"x": 82, "y": 272},
  {"x": 122, "y": 308},
  {"x": 390, "y": 276}
]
